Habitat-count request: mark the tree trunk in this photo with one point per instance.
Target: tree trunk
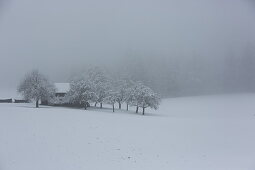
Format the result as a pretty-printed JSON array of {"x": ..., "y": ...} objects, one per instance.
[
  {"x": 85, "y": 106},
  {"x": 137, "y": 109},
  {"x": 127, "y": 107},
  {"x": 113, "y": 108},
  {"x": 119, "y": 105},
  {"x": 37, "y": 103},
  {"x": 101, "y": 105},
  {"x": 96, "y": 104},
  {"x": 143, "y": 110}
]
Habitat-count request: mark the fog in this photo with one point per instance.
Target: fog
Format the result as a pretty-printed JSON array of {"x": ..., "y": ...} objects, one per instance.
[{"x": 178, "y": 47}]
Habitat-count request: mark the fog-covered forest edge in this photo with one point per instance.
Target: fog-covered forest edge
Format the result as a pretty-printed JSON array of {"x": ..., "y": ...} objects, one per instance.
[
  {"x": 195, "y": 74},
  {"x": 188, "y": 75},
  {"x": 178, "y": 48}
]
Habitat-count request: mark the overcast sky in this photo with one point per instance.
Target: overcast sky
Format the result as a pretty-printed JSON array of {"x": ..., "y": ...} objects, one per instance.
[{"x": 59, "y": 37}]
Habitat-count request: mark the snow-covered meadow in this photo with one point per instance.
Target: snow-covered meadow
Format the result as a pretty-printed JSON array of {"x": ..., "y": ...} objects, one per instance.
[{"x": 200, "y": 133}]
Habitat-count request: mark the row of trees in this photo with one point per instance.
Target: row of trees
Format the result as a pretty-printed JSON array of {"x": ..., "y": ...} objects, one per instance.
[
  {"x": 92, "y": 87},
  {"x": 97, "y": 87}
]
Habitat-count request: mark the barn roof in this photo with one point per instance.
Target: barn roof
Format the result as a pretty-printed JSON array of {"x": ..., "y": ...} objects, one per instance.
[{"x": 62, "y": 87}]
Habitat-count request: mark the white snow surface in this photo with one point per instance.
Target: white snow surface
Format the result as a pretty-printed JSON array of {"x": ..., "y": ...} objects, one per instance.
[{"x": 189, "y": 133}]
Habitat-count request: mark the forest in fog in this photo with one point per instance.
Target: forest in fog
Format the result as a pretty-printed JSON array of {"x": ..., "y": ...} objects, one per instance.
[
  {"x": 195, "y": 74},
  {"x": 177, "y": 48}
]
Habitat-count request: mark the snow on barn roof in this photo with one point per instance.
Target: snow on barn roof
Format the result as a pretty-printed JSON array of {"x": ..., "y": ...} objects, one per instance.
[{"x": 62, "y": 87}]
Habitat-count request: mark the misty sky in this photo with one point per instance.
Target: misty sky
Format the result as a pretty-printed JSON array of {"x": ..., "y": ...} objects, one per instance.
[{"x": 59, "y": 37}]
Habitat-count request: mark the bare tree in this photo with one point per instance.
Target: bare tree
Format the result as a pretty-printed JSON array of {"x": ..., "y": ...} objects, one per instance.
[{"x": 36, "y": 86}]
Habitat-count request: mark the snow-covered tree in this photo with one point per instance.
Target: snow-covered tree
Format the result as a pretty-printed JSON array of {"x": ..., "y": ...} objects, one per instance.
[
  {"x": 36, "y": 86},
  {"x": 122, "y": 87},
  {"x": 81, "y": 92},
  {"x": 112, "y": 98},
  {"x": 101, "y": 84},
  {"x": 129, "y": 92},
  {"x": 132, "y": 95},
  {"x": 149, "y": 99},
  {"x": 143, "y": 96},
  {"x": 120, "y": 92}
]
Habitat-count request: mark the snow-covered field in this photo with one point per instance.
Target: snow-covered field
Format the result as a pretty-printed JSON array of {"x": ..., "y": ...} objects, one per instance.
[{"x": 190, "y": 133}]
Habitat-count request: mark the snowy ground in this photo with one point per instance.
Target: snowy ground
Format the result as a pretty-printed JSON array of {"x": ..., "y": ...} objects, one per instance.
[{"x": 192, "y": 133}]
